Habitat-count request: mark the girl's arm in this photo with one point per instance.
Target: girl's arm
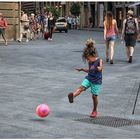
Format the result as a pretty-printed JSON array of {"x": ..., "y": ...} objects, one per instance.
[
  {"x": 104, "y": 30},
  {"x": 100, "y": 67},
  {"x": 116, "y": 28},
  {"x": 5, "y": 23},
  {"x": 81, "y": 69},
  {"x": 122, "y": 36}
]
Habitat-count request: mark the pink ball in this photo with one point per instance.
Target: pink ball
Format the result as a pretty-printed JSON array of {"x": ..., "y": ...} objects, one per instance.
[{"x": 42, "y": 110}]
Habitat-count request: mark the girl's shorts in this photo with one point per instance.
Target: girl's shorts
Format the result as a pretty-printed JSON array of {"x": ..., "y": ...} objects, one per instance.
[
  {"x": 111, "y": 38},
  {"x": 95, "y": 88}
]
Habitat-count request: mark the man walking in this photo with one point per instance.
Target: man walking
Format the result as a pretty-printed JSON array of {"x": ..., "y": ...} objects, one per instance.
[{"x": 129, "y": 34}]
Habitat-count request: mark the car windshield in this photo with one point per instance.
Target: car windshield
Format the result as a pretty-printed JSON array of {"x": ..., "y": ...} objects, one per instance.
[{"x": 61, "y": 20}]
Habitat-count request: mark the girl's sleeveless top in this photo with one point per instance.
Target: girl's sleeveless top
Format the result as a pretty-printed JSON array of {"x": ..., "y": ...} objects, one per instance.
[
  {"x": 111, "y": 32},
  {"x": 94, "y": 76}
]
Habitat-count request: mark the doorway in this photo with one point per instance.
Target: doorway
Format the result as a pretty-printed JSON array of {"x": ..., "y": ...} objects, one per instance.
[{"x": 93, "y": 13}]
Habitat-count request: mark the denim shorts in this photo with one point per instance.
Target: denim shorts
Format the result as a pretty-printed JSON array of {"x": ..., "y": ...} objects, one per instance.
[
  {"x": 2, "y": 31},
  {"x": 111, "y": 38},
  {"x": 95, "y": 88}
]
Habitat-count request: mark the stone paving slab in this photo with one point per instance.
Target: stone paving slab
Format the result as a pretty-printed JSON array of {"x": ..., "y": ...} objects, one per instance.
[{"x": 43, "y": 72}]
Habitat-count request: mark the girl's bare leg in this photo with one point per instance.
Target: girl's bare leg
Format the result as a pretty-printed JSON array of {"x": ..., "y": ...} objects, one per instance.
[
  {"x": 4, "y": 39},
  {"x": 111, "y": 45},
  {"x": 77, "y": 92},
  {"x": 95, "y": 102},
  {"x": 107, "y": 51}
]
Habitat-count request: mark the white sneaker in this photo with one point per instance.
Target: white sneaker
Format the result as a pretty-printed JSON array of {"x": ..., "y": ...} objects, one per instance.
[
  {"x": 27, "y": 40},
  {"x": 50, "y": 38}
]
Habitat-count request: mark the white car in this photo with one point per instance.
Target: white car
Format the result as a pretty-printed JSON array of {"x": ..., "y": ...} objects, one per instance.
[{"x": 61, "y": 24}]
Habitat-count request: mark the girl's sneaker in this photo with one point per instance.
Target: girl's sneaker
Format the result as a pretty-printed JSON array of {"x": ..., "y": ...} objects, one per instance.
[
  {"x": 70, "y": 97},
  {"x": 93, "y": 114},
  {"x": 27, "y": 40}
]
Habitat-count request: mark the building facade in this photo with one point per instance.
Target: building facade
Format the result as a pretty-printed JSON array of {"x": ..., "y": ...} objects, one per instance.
[
  {"x": 11, "y": 11},
  {"x": 96, "y": 10}
]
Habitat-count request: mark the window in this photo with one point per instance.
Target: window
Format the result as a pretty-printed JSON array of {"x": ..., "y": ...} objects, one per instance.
[{"x": 61, "y": 20}]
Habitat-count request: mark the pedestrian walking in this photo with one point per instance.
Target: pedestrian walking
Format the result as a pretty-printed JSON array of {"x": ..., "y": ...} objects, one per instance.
[
  {"x": 33, "y": 22},
  {"x": 110, "y": 32},
  {"x": 46, "y": 33},
  {"x": 73, "y": 22},
  {"x": 24, "y": 27},
  {"x": 40, "y": 24},
  {"x": 3, "y": 25},
  {"x": 45, "y": 23},
  {"x": 78, "y": 22},
  {"x": 69, "y": 20},
  {"x": 129, "y": 34},
  {"x": 51, "y": 25},
  {"x": 90, "y": 22},
  {"x": 94, "y": 78}
]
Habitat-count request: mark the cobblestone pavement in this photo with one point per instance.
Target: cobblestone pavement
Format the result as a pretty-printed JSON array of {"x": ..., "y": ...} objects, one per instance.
[{"x": 43, "y": 72}]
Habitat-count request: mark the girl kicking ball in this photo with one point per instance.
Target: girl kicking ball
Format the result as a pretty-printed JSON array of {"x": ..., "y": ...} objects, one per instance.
[{"x": 94, "y": 78}]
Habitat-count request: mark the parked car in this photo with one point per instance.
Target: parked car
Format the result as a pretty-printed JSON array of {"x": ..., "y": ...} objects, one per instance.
[{"x": 61, "y": 24}]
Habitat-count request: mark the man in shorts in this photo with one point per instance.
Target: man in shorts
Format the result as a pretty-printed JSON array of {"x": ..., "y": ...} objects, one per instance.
[{"x": 129, "y": 34}]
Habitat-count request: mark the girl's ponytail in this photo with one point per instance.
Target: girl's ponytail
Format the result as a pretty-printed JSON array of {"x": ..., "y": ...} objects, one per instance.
[
  {"x": 90, "y": 43},
  {"x": 89, "y": 50}
]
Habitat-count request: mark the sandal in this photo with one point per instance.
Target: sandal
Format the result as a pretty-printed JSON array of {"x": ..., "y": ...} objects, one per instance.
[
  {"x": 111, "y": 62},
  {"x": 70, "y": 97}
]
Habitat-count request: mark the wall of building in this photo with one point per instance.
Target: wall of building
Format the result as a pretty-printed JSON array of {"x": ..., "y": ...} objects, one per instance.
[
  {"x": 11, "y": 12},
  {"x": 29, "y": 7}
]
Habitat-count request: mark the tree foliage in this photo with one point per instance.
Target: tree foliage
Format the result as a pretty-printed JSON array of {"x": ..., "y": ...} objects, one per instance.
[
  {"x": 54, "y": 11},
  {"x": 75, "y": 9}
]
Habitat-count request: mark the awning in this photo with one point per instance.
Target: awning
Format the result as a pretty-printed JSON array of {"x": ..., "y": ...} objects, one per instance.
[{"x": 133, "y": 5}]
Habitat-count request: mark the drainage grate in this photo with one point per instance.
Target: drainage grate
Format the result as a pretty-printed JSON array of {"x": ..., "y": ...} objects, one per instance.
[{"x": 110, "y": 121}]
